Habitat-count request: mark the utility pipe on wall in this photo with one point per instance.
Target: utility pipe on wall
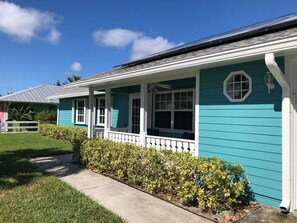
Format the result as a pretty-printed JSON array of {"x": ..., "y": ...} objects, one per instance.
[{"x": 286, "y": 134}]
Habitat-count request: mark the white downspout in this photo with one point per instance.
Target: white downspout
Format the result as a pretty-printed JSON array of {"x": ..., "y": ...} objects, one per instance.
[{"x": 286, "y": 135}]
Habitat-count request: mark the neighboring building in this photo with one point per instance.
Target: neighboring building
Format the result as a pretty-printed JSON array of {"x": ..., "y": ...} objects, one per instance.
[
  {"x": 36, "y": 97},
  {"x": 234, "y": 93}
]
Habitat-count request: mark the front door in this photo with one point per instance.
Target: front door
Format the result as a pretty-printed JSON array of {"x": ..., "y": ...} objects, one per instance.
[{"x": 135, "y": 114}]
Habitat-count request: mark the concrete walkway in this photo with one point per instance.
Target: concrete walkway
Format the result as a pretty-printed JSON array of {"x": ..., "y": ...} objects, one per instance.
[{"x": 129, "y": 203}]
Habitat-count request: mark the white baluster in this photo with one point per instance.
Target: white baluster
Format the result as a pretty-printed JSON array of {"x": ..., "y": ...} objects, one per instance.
[
  {"x": 168, "y": 143},
  {"x": 173, "y": 145},
  {"x": 179, "y": 146},
  {"x": 186, "y": 147}
]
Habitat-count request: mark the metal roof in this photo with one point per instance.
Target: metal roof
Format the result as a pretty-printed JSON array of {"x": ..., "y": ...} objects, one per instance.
[{"x": 37, "y": 94}]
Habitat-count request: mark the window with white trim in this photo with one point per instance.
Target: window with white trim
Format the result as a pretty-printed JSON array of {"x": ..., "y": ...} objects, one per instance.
[
  {"x": 100, "y": 111},
  {"x": 174, "y": 110},
  {"x": 237, "y": 86},
  {"x": 80, "y": 112}
]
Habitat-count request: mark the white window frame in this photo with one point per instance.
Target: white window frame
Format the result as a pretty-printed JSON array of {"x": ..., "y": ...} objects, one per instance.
[
  {"x": 76, "y": 111},
  {"x": 98, "y": 111},
  {"x": 241, "y": 72},
  {"x": 172, "y": 110}
]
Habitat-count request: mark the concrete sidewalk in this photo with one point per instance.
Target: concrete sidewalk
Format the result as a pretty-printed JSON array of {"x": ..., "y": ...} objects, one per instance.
[{"x": 129, "y": 203}]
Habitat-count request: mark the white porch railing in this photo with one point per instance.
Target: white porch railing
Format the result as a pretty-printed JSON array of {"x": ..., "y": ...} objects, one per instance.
[
  {"x": 174, "y": 144},
  {"x": 124, "y": 137},
  {"x": 158, "y": 142},
  {"x": 19, "y": 126}
]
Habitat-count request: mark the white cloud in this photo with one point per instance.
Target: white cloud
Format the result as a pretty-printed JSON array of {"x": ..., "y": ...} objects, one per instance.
[
  {"x": 115, "y": 37},
  {"x": 54, "y": 36},
  {"x": 141, "y": 45},
  {"x": 23, "y": 24},
  {"x": 146, "y": 45},
  {"x": 76, "y": 67}
]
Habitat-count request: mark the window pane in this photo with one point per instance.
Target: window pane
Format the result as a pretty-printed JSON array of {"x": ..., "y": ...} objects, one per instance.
[
  {"x": 190, "y": 105},
  {"x": 244, "y": 78},
  {"x": 245, "y": 85},
  {"x": 183, "y": 96},
  {"x": 163, "y": 119},
  {"x": 177, "y": 105},
  {"x": 237, "y": 94},
  {"x": 158, "y": 97},
  {"x": 183, "y": 105},
  {"x": 237, "y": 86},
  {"x": 238, "y": 78},
  {"x": 183, "y": 120},
  {"x": 230, "y": 87}
]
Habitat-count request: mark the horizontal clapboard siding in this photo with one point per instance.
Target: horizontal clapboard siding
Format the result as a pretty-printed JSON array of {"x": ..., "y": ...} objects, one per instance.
[
  {"x": 65, "y": 112},
  {"x": 247, "y": 133}
]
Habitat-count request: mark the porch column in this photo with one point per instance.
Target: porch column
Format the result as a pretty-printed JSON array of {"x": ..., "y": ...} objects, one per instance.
[
  {"x": 143, "y": 113},
  {"x": 107, "y": 112},
  {"x": 91, "y": 114},
  {"x": 197, "y": 97}
]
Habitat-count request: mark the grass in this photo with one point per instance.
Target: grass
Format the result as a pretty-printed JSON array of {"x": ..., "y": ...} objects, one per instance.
[{"x": 28, "y": 194}]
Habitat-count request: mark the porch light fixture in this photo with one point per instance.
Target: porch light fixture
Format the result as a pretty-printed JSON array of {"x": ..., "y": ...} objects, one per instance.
[{"x": 269, "y": 81}]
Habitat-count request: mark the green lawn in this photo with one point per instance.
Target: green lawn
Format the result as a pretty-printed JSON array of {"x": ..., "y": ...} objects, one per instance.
[{"x": 28, "y": 194}]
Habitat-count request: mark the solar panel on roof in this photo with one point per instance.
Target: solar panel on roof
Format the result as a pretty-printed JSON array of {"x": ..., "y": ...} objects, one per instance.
[{"x": 233, "y": 35}]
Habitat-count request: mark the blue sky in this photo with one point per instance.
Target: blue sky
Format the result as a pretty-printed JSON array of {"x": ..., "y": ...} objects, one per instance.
[{"x": 45, "y": 41}]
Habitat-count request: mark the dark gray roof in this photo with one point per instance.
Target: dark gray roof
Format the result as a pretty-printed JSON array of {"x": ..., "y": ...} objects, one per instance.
[
  {"x": 283, "y": 34},
  {"x": 260, "y": 33},
  {"x": 34, "y": 95},
  {"x": 258, "y": 29}
]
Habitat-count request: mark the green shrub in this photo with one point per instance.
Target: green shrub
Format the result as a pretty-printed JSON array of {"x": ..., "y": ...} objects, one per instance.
[
  {"x": 210, "y": 184},
  {"x": 75, "y": 136},
  {"x": 46, "y": 117}
]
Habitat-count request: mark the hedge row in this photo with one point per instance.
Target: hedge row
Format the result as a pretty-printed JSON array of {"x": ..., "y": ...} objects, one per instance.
[
  {"x": 75, "y": 136},
  {"x": 210, "y": 184}
]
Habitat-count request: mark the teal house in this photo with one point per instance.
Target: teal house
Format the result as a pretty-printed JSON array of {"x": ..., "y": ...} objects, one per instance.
[{"x": 231, "y": 96}]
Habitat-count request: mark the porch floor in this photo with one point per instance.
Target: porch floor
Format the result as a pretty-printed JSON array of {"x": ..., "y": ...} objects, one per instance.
[{"x": 129, "y": 203}]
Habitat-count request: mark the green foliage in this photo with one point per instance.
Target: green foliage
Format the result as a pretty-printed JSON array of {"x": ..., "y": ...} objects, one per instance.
[
  {"x": 21, "y": 113},
  {"x": 29, "y": 194},
  {"x": 210, "y": 184},
  {"x": 75, "y": 136},
  {"x": 46, "y": 117}
]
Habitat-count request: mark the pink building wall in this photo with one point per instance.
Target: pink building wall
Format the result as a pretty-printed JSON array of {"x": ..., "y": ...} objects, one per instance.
[{"x": 3, "y": 112}]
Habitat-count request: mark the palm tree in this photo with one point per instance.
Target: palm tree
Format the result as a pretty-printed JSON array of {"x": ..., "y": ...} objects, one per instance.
[
  {"x": 73, "y": 78},
  {"x": 70, "y": 79}
]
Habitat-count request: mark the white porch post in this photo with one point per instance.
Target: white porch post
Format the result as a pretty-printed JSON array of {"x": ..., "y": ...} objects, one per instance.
[
  {"x": 197, "y": 95},
  {"x": 107, "y": 112},
  {"x": 91, "y": 114},
  {"x": 143, "y": 113}
]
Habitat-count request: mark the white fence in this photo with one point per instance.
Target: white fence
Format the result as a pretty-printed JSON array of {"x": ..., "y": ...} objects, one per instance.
[
  {"x": 174, "y": 144},
  {"x": 158, "y": 142},
  {"x": 124, "y": 137},
  {"x": 19, "y": 126}
]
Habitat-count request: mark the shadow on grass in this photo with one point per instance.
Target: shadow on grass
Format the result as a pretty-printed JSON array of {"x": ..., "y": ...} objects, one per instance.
[{"x": 16, "y": 170}]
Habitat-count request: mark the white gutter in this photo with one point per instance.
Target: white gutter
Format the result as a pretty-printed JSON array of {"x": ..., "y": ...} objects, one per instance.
[{"x": 286, "y": 139}]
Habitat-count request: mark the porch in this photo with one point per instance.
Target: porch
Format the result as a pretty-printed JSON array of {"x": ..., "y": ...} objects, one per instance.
[{"x": 159, "y": 114}]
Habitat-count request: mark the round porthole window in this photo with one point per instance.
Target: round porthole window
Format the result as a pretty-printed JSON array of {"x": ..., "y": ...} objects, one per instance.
[{"x": 237, "y": 86}]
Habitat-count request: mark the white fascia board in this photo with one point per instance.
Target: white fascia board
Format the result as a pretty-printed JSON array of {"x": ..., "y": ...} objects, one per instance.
[
  {"x": 73, "y": 95},
  {"x": 207, "y": 60}
]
